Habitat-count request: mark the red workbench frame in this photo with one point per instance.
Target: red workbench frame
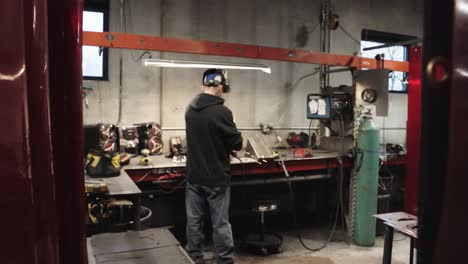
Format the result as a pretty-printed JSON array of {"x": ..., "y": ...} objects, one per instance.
[{"x": 270, "y": 168}]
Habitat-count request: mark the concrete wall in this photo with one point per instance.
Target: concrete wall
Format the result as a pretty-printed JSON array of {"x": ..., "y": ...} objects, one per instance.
[{"x": 161, "y": 94}]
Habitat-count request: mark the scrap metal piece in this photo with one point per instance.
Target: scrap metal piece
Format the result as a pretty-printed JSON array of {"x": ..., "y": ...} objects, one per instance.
[{"x": 257, "y": 149}]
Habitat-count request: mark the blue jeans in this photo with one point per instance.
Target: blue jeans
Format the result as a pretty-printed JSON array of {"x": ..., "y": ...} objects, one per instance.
[{"x": 199, "y": 199}]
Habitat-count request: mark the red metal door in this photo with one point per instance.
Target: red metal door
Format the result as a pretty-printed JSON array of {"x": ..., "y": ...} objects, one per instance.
[
  {"x": 444, "y": 165},
  {"x": 450, "y": 244}
]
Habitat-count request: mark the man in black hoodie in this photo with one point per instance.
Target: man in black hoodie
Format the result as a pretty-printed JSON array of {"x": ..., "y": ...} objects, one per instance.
[{"x": 211, "y": 137}]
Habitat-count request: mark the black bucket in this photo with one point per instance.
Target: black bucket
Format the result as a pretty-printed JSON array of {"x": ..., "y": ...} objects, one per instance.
[
  {"x": 383, "y": 201},
  {"x": 145, "y": 220},
  {"x": 145, "y": 217}
]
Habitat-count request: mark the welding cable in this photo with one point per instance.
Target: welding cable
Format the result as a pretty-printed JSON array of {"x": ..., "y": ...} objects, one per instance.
[
  {"x": 153, "y": 169},
  {"x": 177, "y": 187},
  {"x": 144, "y": 176},
  {"x": 341, "y": 177},
  {"x": 339, "y": 200},
  {"x": 310, "y": 135},
  {"x": 241, "y": 162},
  {"x": 333, "y": 229},
  {"x": 244, "y": 174},
  {"x": 293, "y": 200}
]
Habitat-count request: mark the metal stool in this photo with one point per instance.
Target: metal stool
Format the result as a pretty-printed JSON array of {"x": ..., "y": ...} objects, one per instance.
[{"x": 263, "y": 242}]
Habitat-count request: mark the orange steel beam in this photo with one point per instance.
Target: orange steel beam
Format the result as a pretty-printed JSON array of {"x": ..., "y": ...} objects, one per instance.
[{"x": 142, "y": 42}]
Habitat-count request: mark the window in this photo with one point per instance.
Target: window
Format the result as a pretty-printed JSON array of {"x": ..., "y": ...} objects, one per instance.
[
  {"x": 95, "y": 59},
  {"x": 397, "y": 80}
]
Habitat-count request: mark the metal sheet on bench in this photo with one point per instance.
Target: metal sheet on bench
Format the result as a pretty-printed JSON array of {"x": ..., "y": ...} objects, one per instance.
[
  {"x": 120, "y": 185},
  {"x": 401, "y": 222},
  {"x": 132, "y": 240},
  {"x": 397, "y": 216},
  {"x": 164, "y": 255}
]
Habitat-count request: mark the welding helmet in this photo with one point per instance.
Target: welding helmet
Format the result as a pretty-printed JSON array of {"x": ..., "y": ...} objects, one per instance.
[{"x": 215, "y": 77}]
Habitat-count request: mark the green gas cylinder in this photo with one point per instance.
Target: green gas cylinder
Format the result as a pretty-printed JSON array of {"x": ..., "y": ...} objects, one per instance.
[{"x": 366, "y": 182}]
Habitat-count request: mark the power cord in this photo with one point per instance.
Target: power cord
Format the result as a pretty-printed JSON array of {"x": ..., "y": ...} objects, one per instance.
[
  {"x": 141, "y": 56},
  {"x": 349, "y": 35},
  {"x": 312, "y": 137}
]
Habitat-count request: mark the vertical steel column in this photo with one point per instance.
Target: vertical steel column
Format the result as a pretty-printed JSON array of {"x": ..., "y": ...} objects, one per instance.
[{"x": 65, "y": 59}]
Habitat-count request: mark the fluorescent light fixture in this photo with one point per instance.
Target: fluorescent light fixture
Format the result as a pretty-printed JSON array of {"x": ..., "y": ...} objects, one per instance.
[{"x": 202, "y": 64}]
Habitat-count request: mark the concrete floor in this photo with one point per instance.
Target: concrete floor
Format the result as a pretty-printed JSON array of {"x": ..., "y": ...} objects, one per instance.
[
  {"x": 334, "y": 253},
  {"x": 292, "y": 252}
]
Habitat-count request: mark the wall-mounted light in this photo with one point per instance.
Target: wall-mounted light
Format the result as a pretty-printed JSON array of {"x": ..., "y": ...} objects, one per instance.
[{"x": 202, "y": 64}]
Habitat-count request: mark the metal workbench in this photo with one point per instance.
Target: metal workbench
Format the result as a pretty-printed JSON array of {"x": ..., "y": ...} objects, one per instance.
[
  {"x": 122, "y": 186},
  {"x": 162, "y": 170},
  {"x": 161, "y": 162},
  {"x": 119, "y": 185},
  {"x": 402, "y": 222}
]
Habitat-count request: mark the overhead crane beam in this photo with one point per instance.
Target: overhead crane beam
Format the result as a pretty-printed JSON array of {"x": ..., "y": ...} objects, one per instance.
[{"x": 203, "y": 47}]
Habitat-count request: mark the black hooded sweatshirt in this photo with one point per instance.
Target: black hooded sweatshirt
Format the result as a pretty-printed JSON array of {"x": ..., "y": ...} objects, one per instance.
[{"x": 211, "y": 136}]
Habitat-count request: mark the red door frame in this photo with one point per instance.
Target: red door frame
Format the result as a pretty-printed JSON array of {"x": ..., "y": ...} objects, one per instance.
[
  {"x": 41, "y": 161},
  {"x": 413, "y": 132},
  {"x": 65, "y": 68},
  {"x": 44, "y": 169}
]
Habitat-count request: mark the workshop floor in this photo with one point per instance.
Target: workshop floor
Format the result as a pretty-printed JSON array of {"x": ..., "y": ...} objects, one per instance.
[{"x": 334, "y": 253}]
